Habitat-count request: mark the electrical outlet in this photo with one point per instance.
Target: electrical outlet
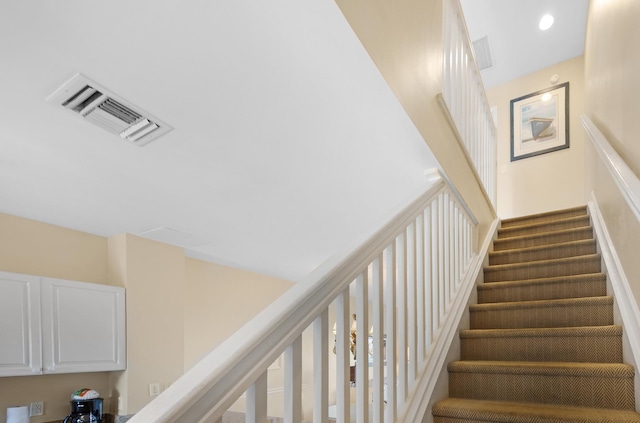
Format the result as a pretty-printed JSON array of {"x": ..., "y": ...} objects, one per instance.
[
  {"x": 36, "y": 408},
  {"x": 154, "y": 389}
]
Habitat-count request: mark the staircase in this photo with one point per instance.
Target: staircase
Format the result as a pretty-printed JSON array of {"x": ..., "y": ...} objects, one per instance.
[{"x": 542, "y": 345}]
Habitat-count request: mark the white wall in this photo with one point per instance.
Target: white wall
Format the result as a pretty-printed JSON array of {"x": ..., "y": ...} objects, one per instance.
[{"x": 550, "y": 181}]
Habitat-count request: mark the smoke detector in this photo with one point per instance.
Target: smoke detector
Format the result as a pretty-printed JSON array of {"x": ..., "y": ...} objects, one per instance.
[{"x": 101, "y": 107}]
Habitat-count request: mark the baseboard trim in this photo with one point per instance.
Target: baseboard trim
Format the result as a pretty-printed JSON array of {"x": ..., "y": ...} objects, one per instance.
[{"x": 624, "y": 299}]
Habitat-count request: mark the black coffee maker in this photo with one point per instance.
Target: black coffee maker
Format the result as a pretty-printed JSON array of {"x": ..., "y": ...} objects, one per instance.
[{"x": 85, "y": 411}]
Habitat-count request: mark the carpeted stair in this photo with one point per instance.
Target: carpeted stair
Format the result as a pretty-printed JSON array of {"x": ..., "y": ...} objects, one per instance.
[{"x": 542, "y": 346}]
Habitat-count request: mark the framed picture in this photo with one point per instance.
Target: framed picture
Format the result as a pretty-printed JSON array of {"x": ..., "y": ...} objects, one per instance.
[{"x": 540, "y": 122}]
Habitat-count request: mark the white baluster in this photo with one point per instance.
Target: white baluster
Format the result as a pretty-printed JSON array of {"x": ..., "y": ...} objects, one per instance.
[
  {"x": 377, "y": 302},
  {"x": 362, "y": 347},
  {"x": 390, "y": 283},
  {"x": 420, "y": 288},
  {"x": 321, "y": 367},
  {"x": 411, "y": 304},
  {"x": 293, "y": 382},
  {"x": 402, "y": 318},
  {"x": 256, "y": 407},
  {"x": 428, "y": 300},
  {"x": 343, "y": 327}
]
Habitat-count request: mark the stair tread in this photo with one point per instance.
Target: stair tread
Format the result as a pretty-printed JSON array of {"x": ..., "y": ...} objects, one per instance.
[
  {"x": 539, "y": 263},
  {"x": 553, "y": 248},
  {"x": 538, "y": 281},
  {"x": 541, "y": 235},
  {"x": 611, "y": 370},
  {"x": 574, "y": 220},
  {"x": 582, "y": 210},
  {"x": 522, "y": 412},
  {"x": 607, "y": 299},
  {"x": 607, "y": 330}
]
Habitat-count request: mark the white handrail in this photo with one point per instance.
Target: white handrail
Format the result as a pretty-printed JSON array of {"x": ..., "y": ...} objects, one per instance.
[
  {"x": 413, "y": 253},
  {"x": 464, "y": 100},
  {"x": 622, "y": 174}
]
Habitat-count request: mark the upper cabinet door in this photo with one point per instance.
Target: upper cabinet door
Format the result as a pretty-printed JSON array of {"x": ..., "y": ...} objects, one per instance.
[
  {"x": 83, "y": 327},
  {"x": 20, "y": 350}
]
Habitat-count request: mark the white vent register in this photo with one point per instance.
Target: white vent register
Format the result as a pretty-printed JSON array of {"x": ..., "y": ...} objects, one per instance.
[{"x": 101, "y": 107}]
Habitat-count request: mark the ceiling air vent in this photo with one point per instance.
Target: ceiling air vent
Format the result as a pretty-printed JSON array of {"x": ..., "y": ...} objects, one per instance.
[
  {"x": 482, "y": 51},
  {"x": 101, "y": 107}
]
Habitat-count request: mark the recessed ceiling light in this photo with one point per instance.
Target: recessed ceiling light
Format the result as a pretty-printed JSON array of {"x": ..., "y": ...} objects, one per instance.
[{"x": 546, "y": 22}]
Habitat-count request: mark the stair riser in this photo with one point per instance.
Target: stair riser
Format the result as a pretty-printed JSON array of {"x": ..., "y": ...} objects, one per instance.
[
  {"x": 579, "y": 391},
  {"x": 441, "y": 419},
  {"x": 549, "y": 253},
  {"x": 550, "y": 270},
  {"x": 548, "y": 217},
  {"x": 543, "y": 317},
  {"x": 543, "y": 291},
  {"x": 582, "y": 349},
  {"x": 464, "y": 410},
  {"x": 544, "y": 227},
  {"x": 525, "y": 242}
]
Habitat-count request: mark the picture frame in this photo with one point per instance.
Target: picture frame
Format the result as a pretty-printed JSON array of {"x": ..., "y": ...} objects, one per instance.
[{"x": 540, "y": 122}]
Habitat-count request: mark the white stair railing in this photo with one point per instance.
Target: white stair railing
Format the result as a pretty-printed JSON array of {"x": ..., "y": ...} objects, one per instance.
[
  {"x": 401, "y": 283},
  {"x": 464, "y": 99}
]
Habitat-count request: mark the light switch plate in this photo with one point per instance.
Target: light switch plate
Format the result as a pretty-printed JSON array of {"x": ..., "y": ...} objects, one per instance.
[{"x": 154, "y": 389}]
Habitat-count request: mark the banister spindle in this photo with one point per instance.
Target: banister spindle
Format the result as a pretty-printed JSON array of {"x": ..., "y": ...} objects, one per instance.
[
  {"x": 343, "y": 327},
  {"x": 428, "y": 301},
  {"x": 411, "y": 304},
  {"x": 256, "y": 406},
  {"x": 420, "y": 287},
  {"x": 321, "y": 368},
  {"x": 377, "y": 303},
  {"x": 401, "y": 327},
  {"x": 390, "y": 283},
  {"x": 362, "y": 347},
  {"x": 293, "y": 382}
]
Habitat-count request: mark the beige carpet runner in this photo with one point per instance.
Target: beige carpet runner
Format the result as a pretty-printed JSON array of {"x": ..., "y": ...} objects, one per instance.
[{"x": 542, "y": 346}]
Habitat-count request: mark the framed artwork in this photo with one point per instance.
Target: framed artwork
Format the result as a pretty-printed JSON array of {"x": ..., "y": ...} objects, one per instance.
[{"x": 540, "y": 122}]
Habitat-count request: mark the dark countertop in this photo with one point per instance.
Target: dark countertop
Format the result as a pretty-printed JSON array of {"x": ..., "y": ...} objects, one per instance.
[{"x": 106, "y": 418}]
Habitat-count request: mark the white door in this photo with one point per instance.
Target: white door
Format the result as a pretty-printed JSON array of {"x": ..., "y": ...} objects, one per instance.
[
  {"x": 83, "y": 327},
  {"x": 20, "y": 352}
]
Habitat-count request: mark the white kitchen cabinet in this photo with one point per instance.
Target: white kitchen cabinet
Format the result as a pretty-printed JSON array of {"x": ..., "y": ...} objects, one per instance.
[
  {"x": 58, "y": 326},
  {"x": 20, "y": 346},
  {"x": 83, "y": 327}
]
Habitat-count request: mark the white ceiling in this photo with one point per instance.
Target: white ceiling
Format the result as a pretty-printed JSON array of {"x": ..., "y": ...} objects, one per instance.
[
  {"x": 518, "y": 47},
  {"x": 287, "y": 143}
]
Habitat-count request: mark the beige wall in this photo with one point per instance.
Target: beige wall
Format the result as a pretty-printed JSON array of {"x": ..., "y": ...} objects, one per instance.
[
  {"x": 218, "y": 301},
  {"x": 35, "y": 248},
  {"x": 153, "y": 276},
  {"x": 404, "y": 39},
  {"x": 550, "y": 181},
  {"x": 612, "y": 65}
]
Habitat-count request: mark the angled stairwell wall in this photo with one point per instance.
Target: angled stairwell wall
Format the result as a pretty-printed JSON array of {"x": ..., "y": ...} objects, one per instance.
[{"x": 542, "y": 345}]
